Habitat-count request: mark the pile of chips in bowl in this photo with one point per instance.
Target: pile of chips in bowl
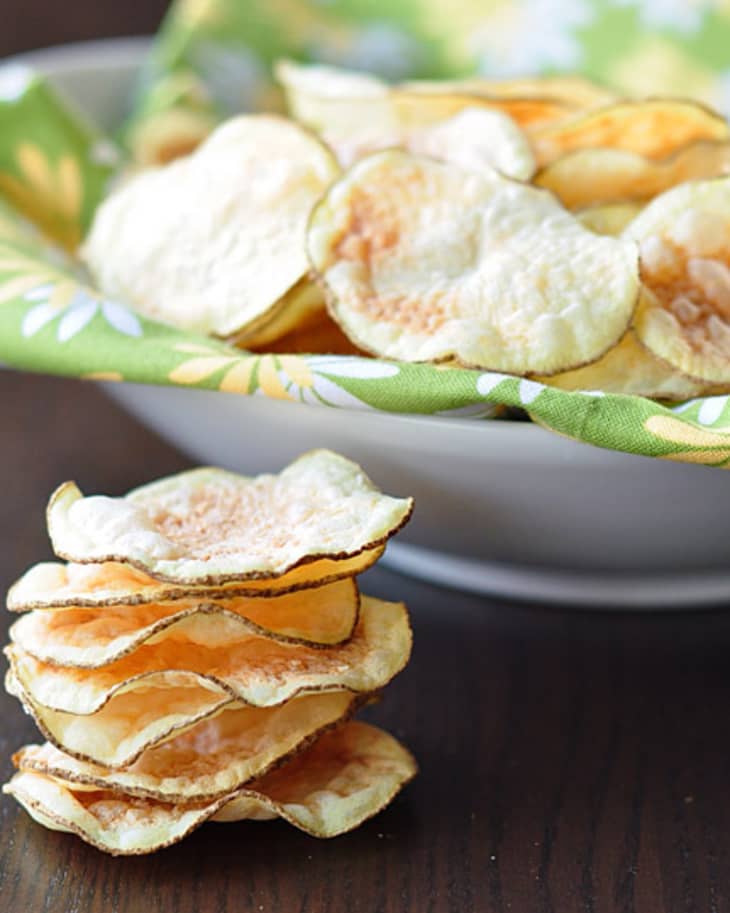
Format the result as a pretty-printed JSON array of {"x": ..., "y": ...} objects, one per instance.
[
  {"x": 202, "y": 652},
  {"x": 543, "y": 228}
]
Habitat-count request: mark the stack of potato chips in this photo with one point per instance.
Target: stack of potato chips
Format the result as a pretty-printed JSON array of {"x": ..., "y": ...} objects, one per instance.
[{"x": 202, "y": 653}]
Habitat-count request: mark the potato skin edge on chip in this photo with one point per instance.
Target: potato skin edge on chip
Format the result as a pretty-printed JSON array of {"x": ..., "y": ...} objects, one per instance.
[
  {"x": 160, "y": 626},
  {"x": 20, "y": 761},
  {"x": 175, "y": 593},
  {"x": 331, "y": 212},
  {"x": 68, "y": 493},
  {"x": 402, "y": 773}
]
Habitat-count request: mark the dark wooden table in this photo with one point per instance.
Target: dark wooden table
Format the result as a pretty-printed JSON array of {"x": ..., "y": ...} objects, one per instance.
[{"x": 570, "y": 762}]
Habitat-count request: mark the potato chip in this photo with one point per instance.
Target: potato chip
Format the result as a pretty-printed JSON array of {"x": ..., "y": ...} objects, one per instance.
[
  {"x": 630, "y": 368},
  {"x": 208, "y": 526},
  {"x": 302, "y": 305},
  {"x": 212, "y": 759},
  {"x": 474, "y": 138},
  {"x": 343, "y": 779},
  {"x": 322, "y": 336},
  {"x": 590, "y": 176},
  {"x": 252, "y": 669},
  {"x": 654, "y": 128},
  {"x": 168, "y": 135},
  {"x": 610, "y": 219},
  {"x": 93, "y": 637},
  {"x": 110, "y": 715},
  {"x": 322, "y": 96},
  {"x": 212, "y": 242},
  {"x": 117, "y": 734},
  {"x": 684, "y": 243},
  {"x": 421, "y": 109},
  {"x": 344, "y": 101},
  {"x": 477, "y": 138},
  {"x": 426, "y": 262},
  {"x": 357, "y": 114},
  {"x": 52, "y": 585},
  {"x": 572, "y": 91}
]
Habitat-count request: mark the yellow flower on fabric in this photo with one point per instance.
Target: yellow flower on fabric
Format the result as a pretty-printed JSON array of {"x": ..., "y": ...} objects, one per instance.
[
  {"x": 713, "y": 447},
  {"x": 48, "y": 193},
  {"x": 53, "y": 293},
  {"x": 271, "y": 375},
  {"x": 295, "y": 378}
]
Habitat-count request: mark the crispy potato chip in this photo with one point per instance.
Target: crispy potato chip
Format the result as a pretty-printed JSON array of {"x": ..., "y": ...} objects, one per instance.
[
  {"x": 610, "y": 219},
  {"x": 630, "y": 368},
  {"x": 118, "y": 734},
  {"x": 572, "y": 91},
  {"x": 322, "y": 96},
  {"x": 252, "y": 669},
  {"x": 111, "y": 715},
  {"x": 344, "y": 778},
  {"x": 590, "y": 176},
  {"x": 212, "y": 759},
  {"x": 89, "y": 638},
  {"x": 52, "y": 585},
  {"x": 425, "y": 262},
  {"x": 358, "y": 114},
  {"x": 654, "y": 128},
  {"x": 168, "y": 135},
  {"x": 331, "y": 98},
  {"x": 421, "y": 109},
  {"x": 322, "y": 336},
  {"x": 212, "y": 242},
  {"x": 208, "y": 526},
  {"x": 684, "y": 242},
  {"x": 301, "y": 306},
  {"x": 474, "y": 138},
  {"x": 477, "y": 138}
]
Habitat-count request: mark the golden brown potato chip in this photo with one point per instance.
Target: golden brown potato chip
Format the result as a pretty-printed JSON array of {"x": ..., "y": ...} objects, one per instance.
[
  {"x": 331, "y": 98},
  {"x": 358, "y": 114},
  {"x": 630, "y": 368},
  {"x": 654, "y": 128},
  {"x": 111, "y": 715},
  {"x": 572, "y": 91},
  {"x": 344, "y": 778},
  {"x": 52, "y": 585},
  {"x": 610, "y": 219},
  {"x": 252, "y": 669},
  {"x": 684, "y": 243},
  {"x": 212, "y": 242},
  {"x": 208, "y": 526},
  {"x": 301, "y": 306},
  {"x": 421, "y": 109},
  {"x": 426, "y": 262},
  {"x": 210, "y": 760},
  {"x": 322, "y": 336},
  {"x": 590, "y": 176},
  {"x": 93, "y": 637},
  {"x": 168, "y": 135}
]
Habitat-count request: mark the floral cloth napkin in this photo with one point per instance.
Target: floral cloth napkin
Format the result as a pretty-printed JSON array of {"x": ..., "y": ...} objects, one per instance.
[{"x": 212, "y": 57}]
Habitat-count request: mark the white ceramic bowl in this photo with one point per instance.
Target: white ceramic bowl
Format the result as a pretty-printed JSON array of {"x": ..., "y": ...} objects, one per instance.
[{"x": 502, "y": 507}]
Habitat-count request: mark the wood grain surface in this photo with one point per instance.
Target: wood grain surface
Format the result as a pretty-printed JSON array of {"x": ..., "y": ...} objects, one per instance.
[{"x": 570, "y": 762}]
